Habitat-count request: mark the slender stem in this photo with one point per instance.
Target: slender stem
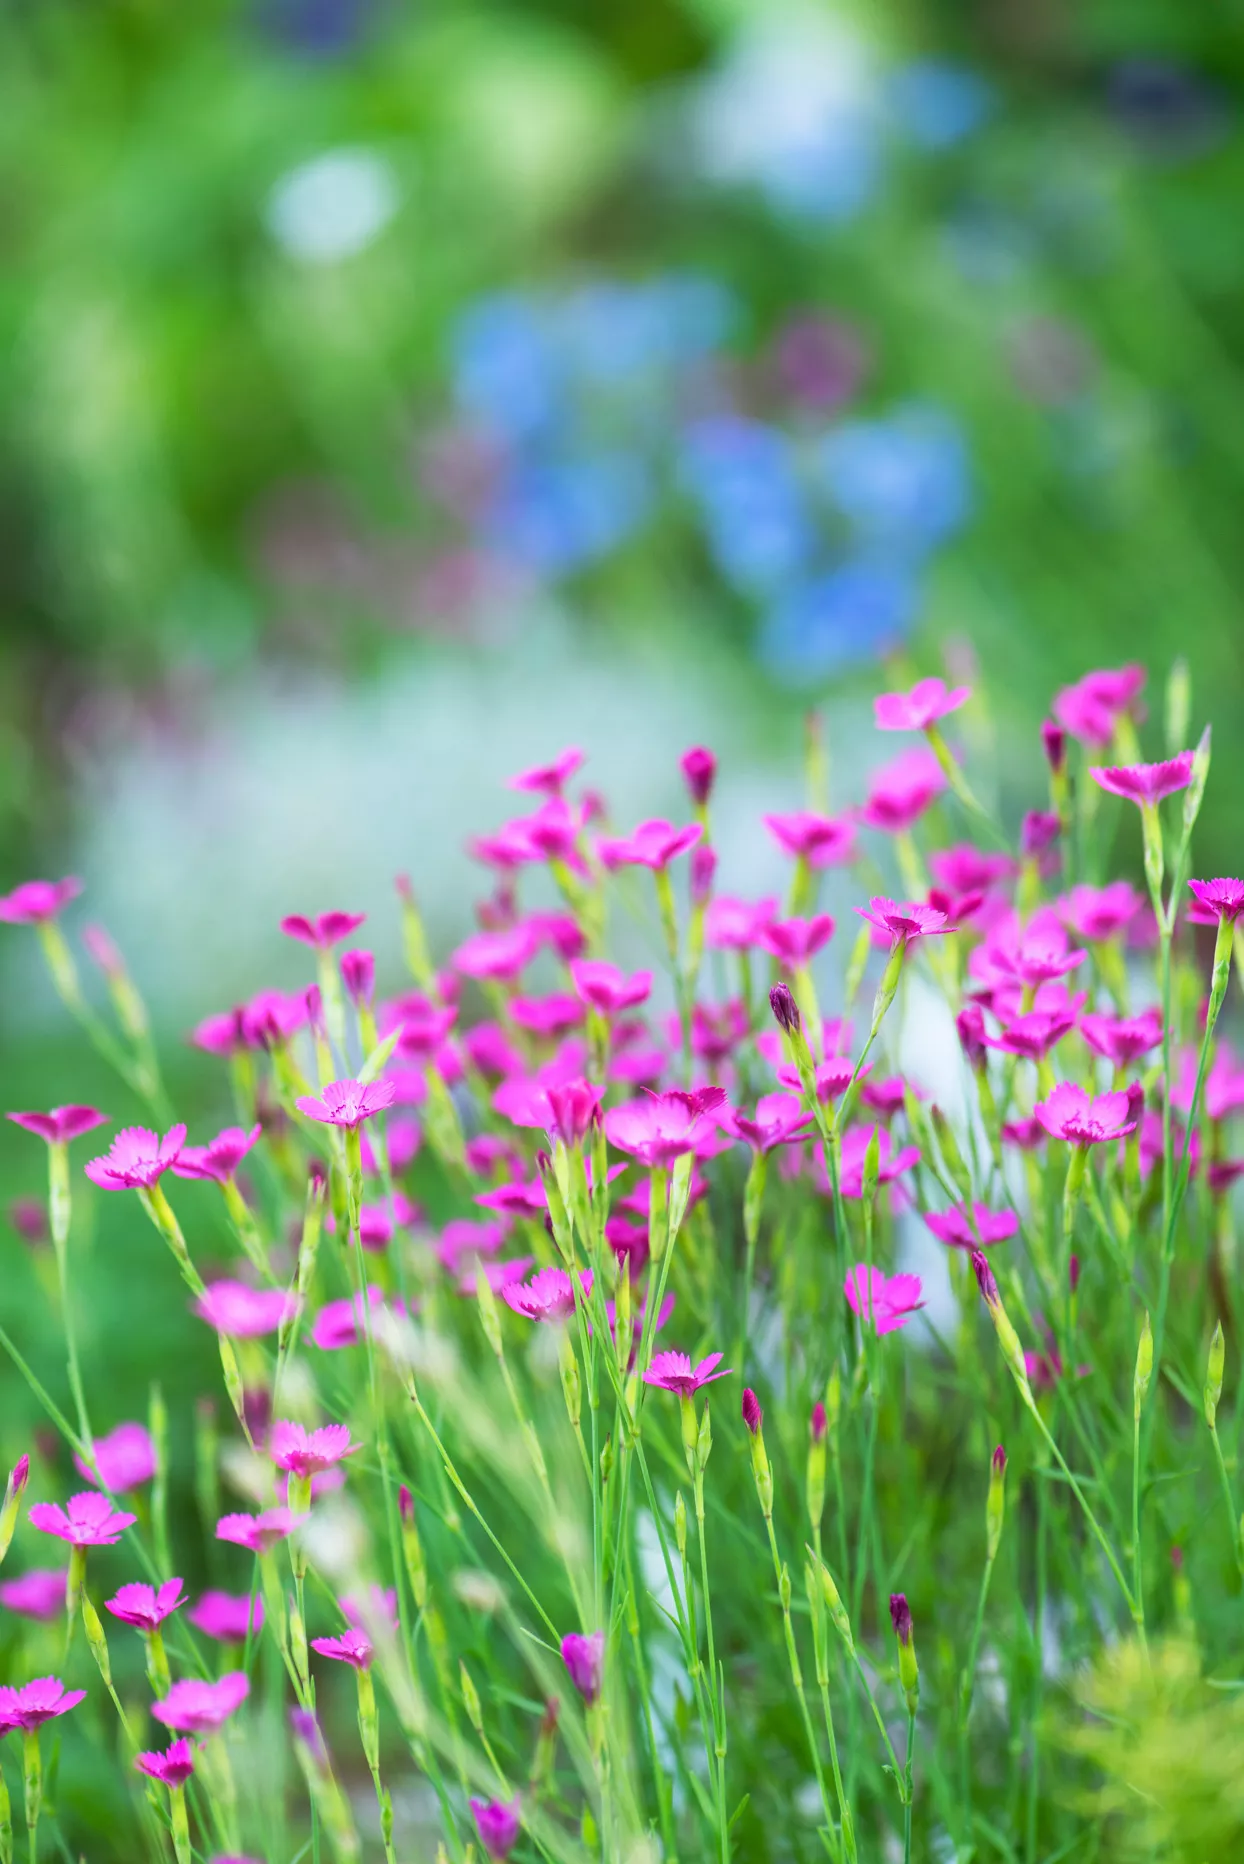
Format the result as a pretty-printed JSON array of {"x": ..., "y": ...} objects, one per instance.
[
  {"x": 1079, "y": 1494},
  {"x": 907, "y": 1796},
  {"x": 1233, "y": 1519}
]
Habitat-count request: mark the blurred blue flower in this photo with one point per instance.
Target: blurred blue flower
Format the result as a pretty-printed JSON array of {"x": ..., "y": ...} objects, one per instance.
[
  {"x": 936, "y": 104},
  {"x": 830, "y": 180},
  {"x": 614, "y": 332},
  {"x": 902, "y": 481},
  {"x": 857, "y": 612},
  {"x": 741, "y": 475},
  {"x": 555, "y": 516},
  {"x": 505, "y": 370}
]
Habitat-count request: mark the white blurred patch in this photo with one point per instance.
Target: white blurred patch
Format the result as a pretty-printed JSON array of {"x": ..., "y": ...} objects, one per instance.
[{"x": 333, "y": 206}]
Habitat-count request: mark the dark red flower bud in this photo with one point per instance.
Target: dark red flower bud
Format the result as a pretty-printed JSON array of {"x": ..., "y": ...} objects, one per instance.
[
  {"x": 1037, "y": 831},
  {"x": 1073, "y": 1272},
  {"x": 784, "y": 1008},
  {"x": 699, "y": 768},
  {"x": 406, "y": 1504},
  {"x": 985, "y": 1278},
  {"x": 999, "y": 1461},
  {"x": 818, "y": 1423},
  {"x": 753, "y": 1416},
  {"x": 900, "y": 1617},
  {"x": 1054, "y": 738},
  {"x": 970, "y": 1024}
]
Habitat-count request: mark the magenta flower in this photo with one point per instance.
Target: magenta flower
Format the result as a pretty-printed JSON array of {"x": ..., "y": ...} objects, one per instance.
[
  {"x": 144, "y": 1606},
  {"x": 547, "y": 1017},
  {"x": 124, "y": 1459},
  {"x": 87, "y": 1520},
  {"x": 244, "y": 1313},
  {"x": 1071, "y": 1114},
  {"x": 548, "y": 779},
  {"x": 199, "y": 1708},
  {"x": 461, "y": 1239},
  {"x": 1098, "y": 913},
  {"x": 1038, "y": 831},
  {"x": 549, "y": 1295},
  {"x": 954, "y": 1227},
  {"x": 306, "y": 1453},
  {"x": 498, "y": 956},
  {"x": 35, "y": 1703},
  {"x": 40, "y": 1593},
  {"x": 736, "y": 925},
  {"x": 1123, "y": 1040},
  {"x": 583, "y": 1657},
  {"x": 821, "y": 841},
  {"x": 136, "y": 1158},
  {"x": 37, "y": 901},
  {"x": 257, "y": 1533},
  {"x": 780, "y": 1121},
  {"x": 353, "y": 1647},
  {"x": 273, "y": 1016},
  {"x": 343, "y": 1323},
  {"x": 654, "y": 844},
  {"x": 927, "y": 701},
  {"x": 906, "y": 921},
  {"x": 1034, "y": 953},
  {"x": 172, "y": 1768},
  {"x": 965, "y": 869},
  {"x": 220, "y": 1157},
  {"x": 1026, "y": 1134},
  {"x": 673, "y": 1372},
  {"x": 891, "y": 1164},
  {"x": 358, "y": 974},
  {"x": 1033, "y": 1033},
  {"x": 888, "y": 1301},
  {"x": 1090, "y": 709},
  {"x": 699, "y": 769},
  {"x": 347, "y": 1103},
  {"x": 226, "y": 1615},
  {"x": 573, "y": 1110},
  {"x": 552, "y": 833},
  {"x": 515, "y": 1199},
  {"x": 902, "y": 790},
  {"x": 1223, "y": 898},
  {"x": 60, "y": 1125},
  {"x": 324, "y": 931},
  {"x": 222, "y": 1034},
  {"x": 496, "y": 1274},
  {"x": 1146, "y": 784},
  {"x": 661, "y": 1128},
  {"x": 498, "y": 1825},
  {"x": 795, "y": 942},
  {"x": 607, "y": 990},
  {"x": 832, "y": 1077}
]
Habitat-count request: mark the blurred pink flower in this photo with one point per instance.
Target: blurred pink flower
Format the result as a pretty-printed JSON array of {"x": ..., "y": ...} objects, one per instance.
[
  {"x": 927, "y": 701},
  {"x": 1123, "y": 1040},
  {"x": 123, "y": 1460},
  {"x": 653, "y": 844},
  {"x": 220, "y": 1157},
  {"x": 821, "y": 841},
  {"x": 38, "y": 1593},
  {"x": 200, "y": 1708},
  {"x": 548, "y": 779},
  {"x": 225, "y": 1616},
  {"x": 62, "y": 1124},
  {"x": 606, "y": 989},
  {"x": 37, "y": 901},
  {"x": 549, "y": 1295},
  {"x": 888, "y": 1301},
  {"x": 794, "y": 942},
  {"x": 901, "y": 791},
  {"x": 257, "y": 1533},
  {"x": 244, "y": 1313},
  {"x": 954, "y": 1227},
  {"x": 324, "y": 931},
  {"x": 37, "y": 1702},
  {"x": 1146, "y": 784},
  {"x": 736, "y": 925}
]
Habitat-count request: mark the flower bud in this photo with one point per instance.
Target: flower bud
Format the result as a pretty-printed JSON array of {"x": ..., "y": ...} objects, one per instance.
[
  {"x": 680, "y": 1525},
  {"x": 871, "y": 1172},
  {"x": 571, "y": 1387},
  {"x": 703, "y": 873},
  {"x": 96, "y": 1639},
  {"x": 470, "y": 1699},
  {"x": 785, "y": 1009},
  {"x": 815, "y": 1480},
  {"x": 1144, "y": 1368},
  {"x": 12, "y": 1502},
  {"x": 837, "y": 1610},
  {"x": 699, "y": 769},
  {"x": 1008, "y": 1339},
  {"x": 833, "y": 1406},
  {"x": 1213, "y": 1376},
  {"x": 784, "y": 1587},
  {"x": 1039, "y": 829},
  {"x": 970, "y": 1025},
  {"x": 753, "y": 1417},
  {"x": 1054, "y": 743},
  {"x": 995, "y": 1505},
  {"x": 704, "y": 1440},
  {"x": 908, "y": 1670}
]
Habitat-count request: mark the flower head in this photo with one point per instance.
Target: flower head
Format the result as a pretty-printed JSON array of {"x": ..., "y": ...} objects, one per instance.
[
  {"x": 1097, "y": 913},
  {"x": 673, "y": 1372},
  {"x": 220, "y": 1157},
  {"x": 1038, "y": 831},
  {"x": 146, "y": 1606},
  {"x": 348, "y": 1103},
  {"x": 174, "y": 1767},
  {"x": 136, "y": 1158},
  {"x": 1224, "y": 898},
  {"x": 257, "y": 1533},
  {"x": 60, "y": 1125},
  {"x": 199, "y": 1708},
  {"x": 123, "y": 1459},
  {"x": 39, "y": 1593},
  {"x": 244, "y": 1313},
  {"x": 1091, "y": 708},
  {"x": 1123, "y": 1039},
  {"x": 353, "y": 1647},
  {"x": 305, "y": 1453},
  {"x": 736, "y": 925},
  {"x": 226, "y": 1616},
  {"x": 699, "y": 769},
  {"x": 497, "y": 956},
  {"x": 605, "y": 989},
  {"x": 985, "y": 1228},
  {"x": 1070, "y": 1113},
  {"x": 324, "y": 931},
  {"x": 35, "y": 1703},
  {"x": 498, "y": 1825},
  {"x": 36, "y": 901},
  {"x": 583, "y": 1657},
  {"x": 573, "y": 1110},
  {"x": 1034, "y": 1033},
  {"x": 779, "y": 1120},
  {"x": 548, "y": 779},
  {"x": 888, "y": 1301},
  {"x": 907, "y": 921},
  {"x": 654, "y": 844},
  {"x": 819, "y": 840},
  {"x": 794, "y": 942},
  {"x": 891, "y": 1164},
  {"x": 927, "y": 701},
  {"x": 902, "y": 790},
  {"x": 1146, "y": 784},
  {"x": 86, "y": 1520},
  {"x": 662, "y": 1127},
  {"x": 549, "y": 1295}
]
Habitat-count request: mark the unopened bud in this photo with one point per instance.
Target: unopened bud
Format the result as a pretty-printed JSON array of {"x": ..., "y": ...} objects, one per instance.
[
  {"x": 1213, "y": 1376},
  {"x": 908, "y": 1669},
  {"x": 1144, "y": 1367},
  {"x": 1054, "y": 743},
  {"x": 96, "y": 1639},
  {"x": 970, "y": 1025},
  {"x": 872, "y": 1167},
  {"x": 837, "y": 1610},
  {"x": 571, "y": 1387},
  {"x": 470, "y": 1699},
  {"x": 815, "y": 1480},
  {"x": 995, "y": 1505},
  {"x": 12, "y": 1502},
  {"x": 784, "y": 1008},
  {"x": 680, "y": 1524},
  {"x": 699, "y": 769}
]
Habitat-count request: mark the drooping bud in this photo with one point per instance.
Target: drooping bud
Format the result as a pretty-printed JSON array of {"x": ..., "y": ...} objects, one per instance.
[
  {"x": 571, "y": 1387},
  {"x": 1135, "y": 1101},
  {"x": 908, "y": 1669},
  {"x": 995, "y": 1504},
  {"x": 1213, "y": 1376},
  {"x": 785, "y": 1009},
  {"x": 1054, "y": 743},
  {"x": 96, "y": 1640}
]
